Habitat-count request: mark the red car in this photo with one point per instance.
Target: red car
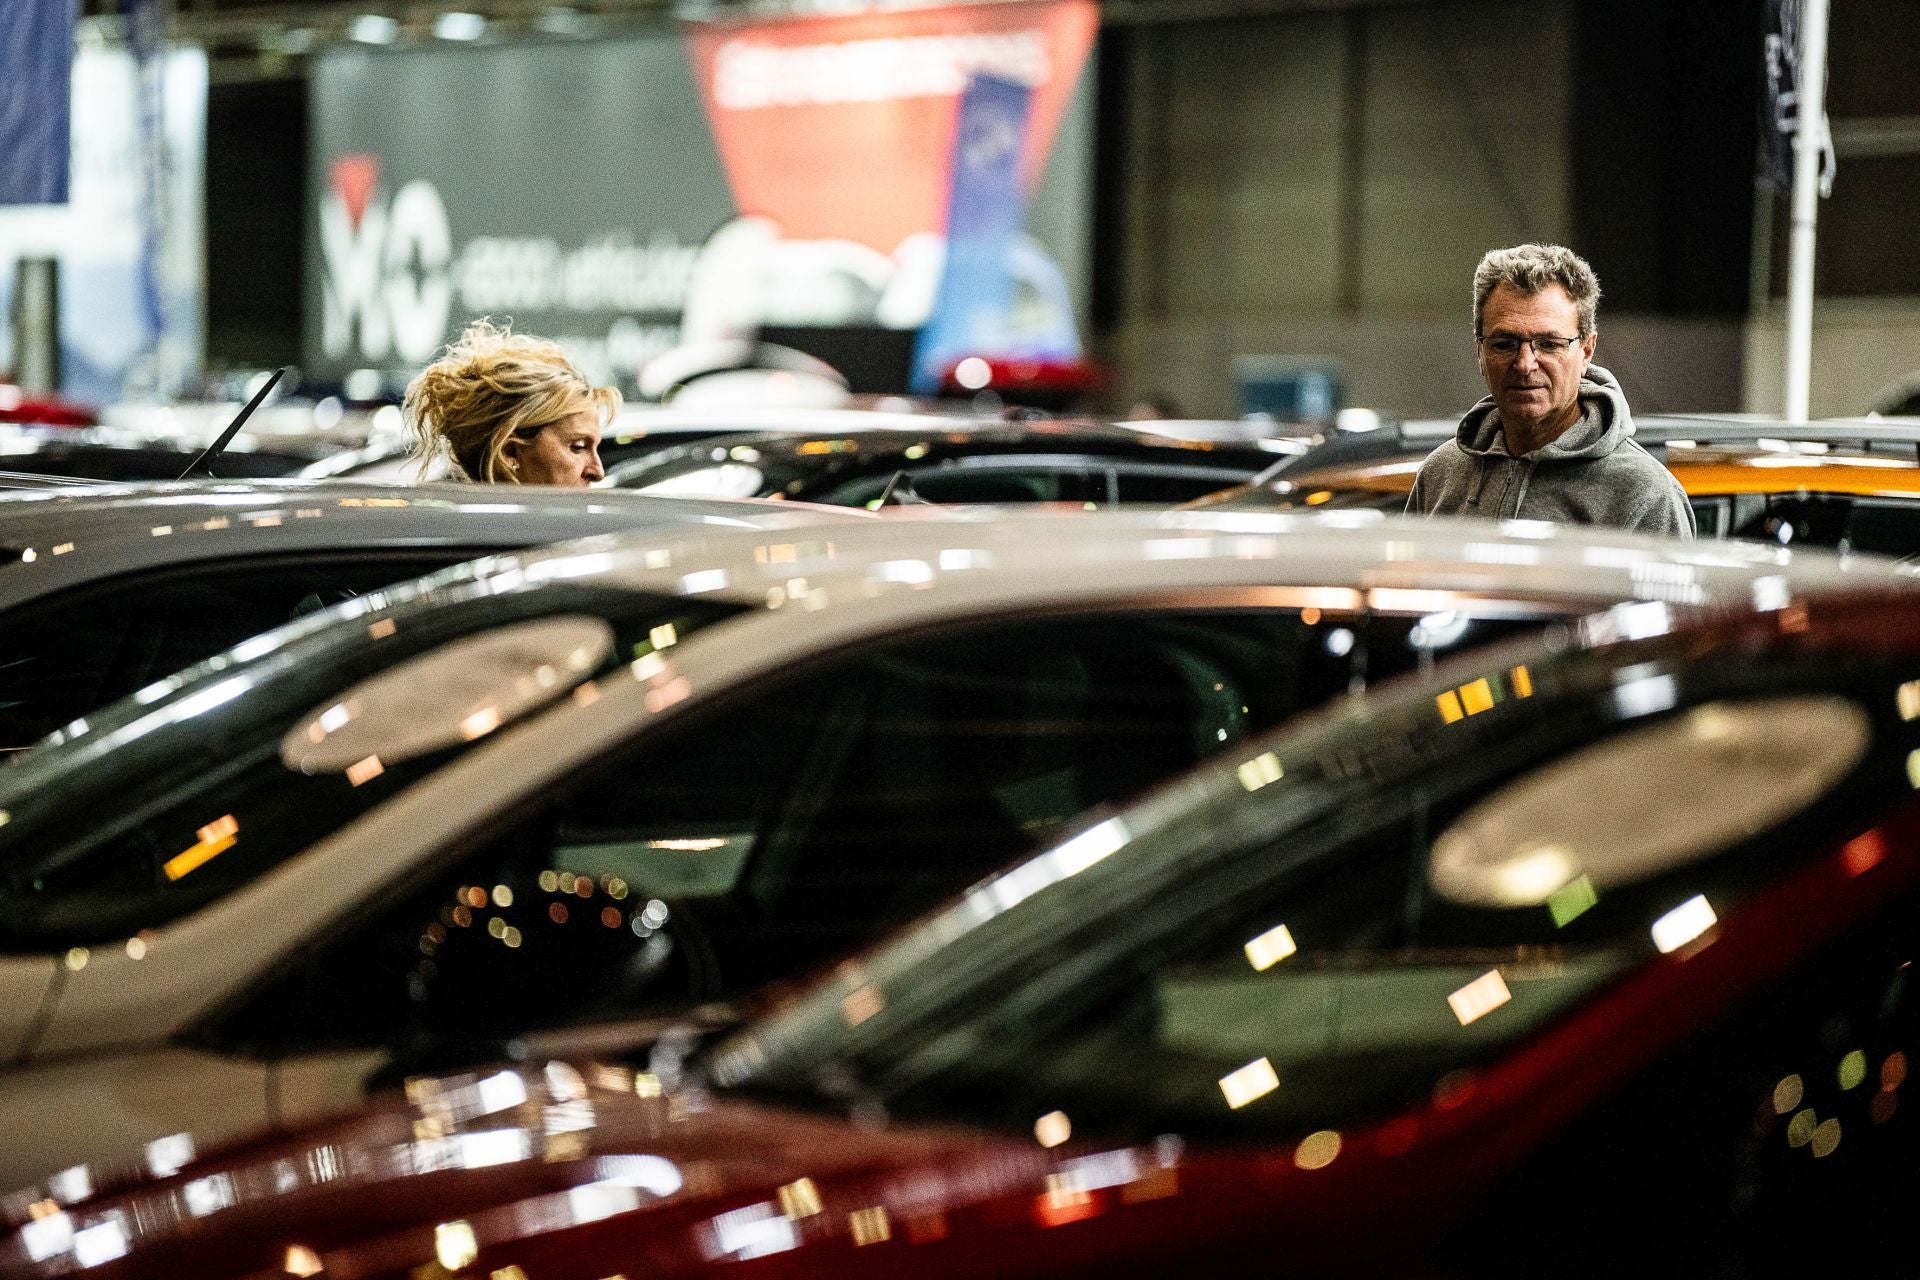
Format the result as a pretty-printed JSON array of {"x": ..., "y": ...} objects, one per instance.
[{"x": 1585, "y": 956}]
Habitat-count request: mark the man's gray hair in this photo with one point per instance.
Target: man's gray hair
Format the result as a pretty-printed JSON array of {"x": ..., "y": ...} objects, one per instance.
[{"x": 1531, "y": 268}]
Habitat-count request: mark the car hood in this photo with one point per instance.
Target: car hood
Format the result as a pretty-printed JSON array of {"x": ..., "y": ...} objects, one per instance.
[{"x": 498, "y": 1162}]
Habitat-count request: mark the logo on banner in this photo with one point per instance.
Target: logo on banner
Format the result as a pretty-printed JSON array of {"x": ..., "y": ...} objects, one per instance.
[{"x": 388, "y": 286}]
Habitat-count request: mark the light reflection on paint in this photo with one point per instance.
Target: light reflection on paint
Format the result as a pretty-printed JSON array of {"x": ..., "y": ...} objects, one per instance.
[
  {"x": 1255, "y": 1080},
  {"x": 454, "y": 1245},
  {"x": 167, "y": 1156},
  {"x": 1067, "y": 860},
  {"x": 1270, "y": 948},
  {"x": 869, "y": 1226},
  {"x": 1318, "y": 1150},
  {"x": 648, "y": 1172},
  {"x": 800, "y": 1199},
  {"x": 209, "y": 1195},
  {"x": 1263, "y": 770},
  {"x": 1534, "y": 875},
  {"x": 1572, "y": 900},
  {"x": 1646, "y": 695},
  {"x": 1683, "y": 924},
  {"x": 47, "y": 1237},
  {"x": 1907, "y": 698},
  {"x": 1101, "y": 1170},
  {"x": 1480, "y": 997},
  {"x": 301, "y": 1261},
  {"x": 752, "y": 1232},
  {"x": 100, "y": 1243}
]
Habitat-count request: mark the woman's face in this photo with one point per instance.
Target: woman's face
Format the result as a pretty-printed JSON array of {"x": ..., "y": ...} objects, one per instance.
[{"x": 566, "y": 452}]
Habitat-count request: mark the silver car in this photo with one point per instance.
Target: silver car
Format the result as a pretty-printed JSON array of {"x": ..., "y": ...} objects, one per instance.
[{"x": 104, "y": 590}]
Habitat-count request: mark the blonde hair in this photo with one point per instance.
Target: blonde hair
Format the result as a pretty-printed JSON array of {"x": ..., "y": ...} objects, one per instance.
[{"x": 492, "y": 386}]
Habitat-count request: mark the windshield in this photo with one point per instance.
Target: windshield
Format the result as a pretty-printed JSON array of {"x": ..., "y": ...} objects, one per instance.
[
  {"x": 200, "y": 783},
  {"x": 1325, "y": 927}
]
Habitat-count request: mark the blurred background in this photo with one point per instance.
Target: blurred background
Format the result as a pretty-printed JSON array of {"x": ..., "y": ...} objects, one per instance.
[{"x": 1192, "y": 208}]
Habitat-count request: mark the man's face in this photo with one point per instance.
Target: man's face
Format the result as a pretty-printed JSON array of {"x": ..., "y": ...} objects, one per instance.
[{"x": 1536, "y": 393}]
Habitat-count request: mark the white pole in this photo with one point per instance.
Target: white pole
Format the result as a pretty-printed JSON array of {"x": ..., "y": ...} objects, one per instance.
[{"x": 1808, "y": 143}]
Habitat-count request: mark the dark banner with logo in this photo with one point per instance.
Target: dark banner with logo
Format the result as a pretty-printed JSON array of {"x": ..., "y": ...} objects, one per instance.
[
  {"x": 578, "y": 188},
  {"x": 1780, "y": 64}
]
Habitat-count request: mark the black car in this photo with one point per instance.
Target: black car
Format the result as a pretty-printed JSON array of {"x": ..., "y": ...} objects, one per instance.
[{"x": 1081, "y": 463}]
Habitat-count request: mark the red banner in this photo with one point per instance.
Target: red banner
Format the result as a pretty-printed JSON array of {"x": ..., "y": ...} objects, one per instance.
[{"x": 841, "y": 128}]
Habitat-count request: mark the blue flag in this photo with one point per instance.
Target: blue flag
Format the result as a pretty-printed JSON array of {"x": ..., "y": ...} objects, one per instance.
[
  {"x": 36, "y": 71},
  {"x": 973, "y": 310},
  {"x": 145, "y": 22}
]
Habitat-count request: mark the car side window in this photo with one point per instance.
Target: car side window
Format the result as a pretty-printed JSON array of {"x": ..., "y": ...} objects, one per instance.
[
  {"x": 1712, "y": 515},
  {"x": 1010, "y": 482},
  {"x": 1884, "y": 526},
  {"x": 1168, "y": 485},
  {"x": 779, "y": 830},
  {"x": 1362, "y": 956},
  {"x": 73, "y": 654},
  {"x": 1783, "y": 1140},
  {"x": 1799, "y": 520}
]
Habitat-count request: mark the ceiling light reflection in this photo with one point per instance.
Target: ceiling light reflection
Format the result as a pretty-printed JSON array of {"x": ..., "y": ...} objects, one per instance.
[
  {"x": 752, "y": 1232},
  {"x": 47, "y": 1237},
  {"x": 1683, "y": 924},
  {"x": 647, "y": 1172},
  {"x": 869, "y": 1226},
  {"x": 1070, "y": 859},
  {"x": 1255, "y": 1080},
  {"x": 301, "y": 1261},
  {"x": 1318, "y": 1150},
  {"x": 1263, "y": 770},
  {"x": 1270, "y": 948},
  {"x": 167, "y": 1156},
  {"x": 100, "y": 1243},
  {"x": 1052, "y": 1129},
  {"x": 1480, "y": 997},
  {"x": 454, "y": 1245}
]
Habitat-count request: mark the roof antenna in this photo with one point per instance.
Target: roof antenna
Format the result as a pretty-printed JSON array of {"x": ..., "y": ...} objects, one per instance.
[{"x": 239, "y": 420}]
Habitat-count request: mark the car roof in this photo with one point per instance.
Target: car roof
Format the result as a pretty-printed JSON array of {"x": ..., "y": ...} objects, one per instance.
[
  {"x": 1418, "y": 436},
  {"x": 801, "y": 457},
  {"x": 866, "y": 577},
  {"x": 1160, "y": 548},
  {"x": 1772, "y": 466},
  {"x": 392, "y": 458},
  {"x": 59, "y": 537}
]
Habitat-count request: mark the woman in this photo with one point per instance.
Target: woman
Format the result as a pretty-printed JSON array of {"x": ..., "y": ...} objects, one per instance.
[{"x": 508, "y": 408}]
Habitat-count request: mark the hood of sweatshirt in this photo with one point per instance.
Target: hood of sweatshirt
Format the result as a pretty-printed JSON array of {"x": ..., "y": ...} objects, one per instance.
[{"x": 1604, "y": 420}]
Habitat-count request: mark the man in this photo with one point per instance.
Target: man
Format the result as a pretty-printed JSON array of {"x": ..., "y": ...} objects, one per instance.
[{"x": 1552, "y": 440}]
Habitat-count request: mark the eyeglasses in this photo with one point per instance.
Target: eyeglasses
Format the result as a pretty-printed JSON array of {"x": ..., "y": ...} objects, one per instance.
[{"x": 1545, "y": 347}]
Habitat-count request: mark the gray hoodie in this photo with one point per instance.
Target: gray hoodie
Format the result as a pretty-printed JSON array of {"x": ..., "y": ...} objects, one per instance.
[{"x": 1593, "y": 474}]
